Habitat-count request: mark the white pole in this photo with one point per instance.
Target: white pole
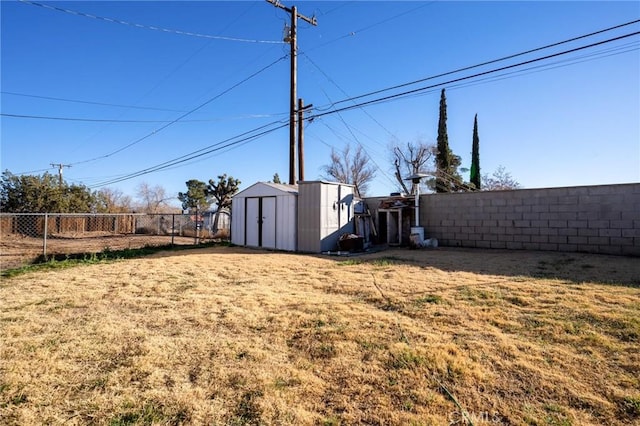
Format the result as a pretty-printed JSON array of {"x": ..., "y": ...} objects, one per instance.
[{"x": 417, "y": 204}]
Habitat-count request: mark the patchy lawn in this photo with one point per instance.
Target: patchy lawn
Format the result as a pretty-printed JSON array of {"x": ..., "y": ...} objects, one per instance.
[{"x": 233, "y": 336}]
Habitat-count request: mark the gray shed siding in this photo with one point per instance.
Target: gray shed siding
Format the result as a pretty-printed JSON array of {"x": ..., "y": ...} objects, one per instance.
[{"x": 325, "y": 211}]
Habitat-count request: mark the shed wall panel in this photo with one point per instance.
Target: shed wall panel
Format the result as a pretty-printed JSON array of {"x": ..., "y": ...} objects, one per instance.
[
  {"x": 285, "y": 225},
  {"x": 237, "y": 221},
  {"x": 309, "y": 216}
]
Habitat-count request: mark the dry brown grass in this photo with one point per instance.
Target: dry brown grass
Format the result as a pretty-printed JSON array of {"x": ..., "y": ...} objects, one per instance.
[
  {"x": 232, "y": 336},
  {"x": 18, "y": 250}
]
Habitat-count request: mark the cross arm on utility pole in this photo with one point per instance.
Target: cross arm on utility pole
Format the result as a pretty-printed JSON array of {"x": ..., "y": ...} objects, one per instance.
[
  {"x": 277, "y": 3},
  {"x": 60, "y": 166}
]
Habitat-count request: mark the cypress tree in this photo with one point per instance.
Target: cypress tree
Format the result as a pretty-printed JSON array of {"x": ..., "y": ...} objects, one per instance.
[
  {"x": 443, "y": 159},
  {"x": 474, "y": 177}
]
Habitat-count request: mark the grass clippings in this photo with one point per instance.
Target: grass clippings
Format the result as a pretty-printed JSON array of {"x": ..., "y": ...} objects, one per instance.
[{"x": 232, "y": 336}]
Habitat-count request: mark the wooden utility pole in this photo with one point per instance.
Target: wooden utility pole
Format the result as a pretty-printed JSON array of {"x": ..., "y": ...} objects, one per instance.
[
  {"x": 292, "y": 39},
  {"x": 301, "y": 109},
  {"x": 60, "y": 166}
]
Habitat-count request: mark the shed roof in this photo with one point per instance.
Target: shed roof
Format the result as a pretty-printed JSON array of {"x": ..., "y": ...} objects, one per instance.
[
  {"x": 326, "y": 182},
  {"x": 262, "y": 189}
]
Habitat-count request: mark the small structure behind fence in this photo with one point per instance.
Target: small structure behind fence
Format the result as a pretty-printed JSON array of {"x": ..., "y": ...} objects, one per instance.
[{"x": 25, "y": 237}]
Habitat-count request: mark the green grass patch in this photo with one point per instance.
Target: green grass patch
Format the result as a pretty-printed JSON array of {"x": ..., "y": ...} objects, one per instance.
[
  {"x": 386, "y": 261},
  {"x": 349, "y": 262},
  {"x": 430, "y": 298},
  {"x": 150, "y": 413},
  {"x": 63, "y": 261},
  {"x": 407, "y": 359}
]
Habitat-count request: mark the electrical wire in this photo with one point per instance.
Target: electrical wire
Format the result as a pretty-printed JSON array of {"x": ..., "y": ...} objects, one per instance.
[
  {"x": 32, "y": 171},
  {"x": 182, "y": 116},
  {"x": 147, "y": 27},
  {"x": 456, "y": 80},
  {"x": 630, "y": 47},
  {"x": 346, "y": 94},
  {"x": 504, "y": 58},
  {"x": 50, "y": 98},
  {"x": 107, "y": 120},
  {"x": 360, "y": 144},
  {"x": 368, "y": 27},
  {"x": 443, "y": 175},
  {"x": 91, "y": 120},
  {"x": 195, "y": 154},
  {"x": 626, "y": 48},
  {"x": 633, "y": 46},
  {"x": 177, "y": 68}
]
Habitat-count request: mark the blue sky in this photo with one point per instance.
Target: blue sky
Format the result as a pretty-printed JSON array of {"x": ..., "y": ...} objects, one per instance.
[{"x": 569, "y": 120}]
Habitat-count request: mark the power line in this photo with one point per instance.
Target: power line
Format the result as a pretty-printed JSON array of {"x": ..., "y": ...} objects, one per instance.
[
  {"x": 50, "y": 98},
  {"x": 368, "y": 27},
  {"x": 32, "y": 171},
  {"x": 195, "y": 154},
  {"x": 467, "y": 68},
  {"x": 107, "y": 120},
  {"x": 147, "y": 27},
  {"x": 357, "y": 140},
  {"x": 424, "y": 88},
  {"x": 551, "y": 66},
  {"x": 377, "y": 166},
  {"x": 183, "y": 115},
  {"x": 346, "y": 94}
]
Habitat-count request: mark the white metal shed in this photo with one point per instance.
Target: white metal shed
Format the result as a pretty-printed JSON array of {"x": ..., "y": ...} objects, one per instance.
[
  {"x": 325, "y": 212},
  {"x": 265, "y": 215}
]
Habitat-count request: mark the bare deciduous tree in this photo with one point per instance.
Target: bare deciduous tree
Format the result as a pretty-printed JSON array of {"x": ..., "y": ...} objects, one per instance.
[
  {"x": 350, "y": 167},
  {"x": 500, "y": 180},
  {"x": 152, "y": 199},
  {"x": 110, "y": 200},
  {"x": 416, "y": 157}
]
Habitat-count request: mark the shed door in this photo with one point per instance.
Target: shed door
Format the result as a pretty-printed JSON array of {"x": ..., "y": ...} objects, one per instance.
[
  {"x": 252, "y": 216},
  {"x": 261, "y": 222},
  {"x": 268, "y": 222}
]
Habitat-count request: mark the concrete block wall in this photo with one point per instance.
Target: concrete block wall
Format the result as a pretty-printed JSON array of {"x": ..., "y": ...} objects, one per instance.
[{"x": 595, "y": 219}]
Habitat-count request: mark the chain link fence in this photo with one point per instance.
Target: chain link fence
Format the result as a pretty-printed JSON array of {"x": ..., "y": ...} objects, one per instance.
[{"x": 26, "y": 238}]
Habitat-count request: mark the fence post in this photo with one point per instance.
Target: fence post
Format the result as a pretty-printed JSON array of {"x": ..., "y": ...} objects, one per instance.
[
  {"x": 44, "y": 238},
  {"x": 173, "y": 227},
  {"x": 197, "y": 237}
]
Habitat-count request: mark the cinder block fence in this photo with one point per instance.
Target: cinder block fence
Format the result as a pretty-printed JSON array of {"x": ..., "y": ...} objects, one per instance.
[{"x": 595, "y": 219}]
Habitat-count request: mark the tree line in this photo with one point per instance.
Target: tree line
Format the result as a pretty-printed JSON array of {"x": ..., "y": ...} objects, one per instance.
[{"x": 48, "y": 194}]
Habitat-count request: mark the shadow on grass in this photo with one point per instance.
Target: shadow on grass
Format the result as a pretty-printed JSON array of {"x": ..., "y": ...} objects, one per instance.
[
  {"x": 575, "y": 268},
  {"x": 569, "y": 267}
]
